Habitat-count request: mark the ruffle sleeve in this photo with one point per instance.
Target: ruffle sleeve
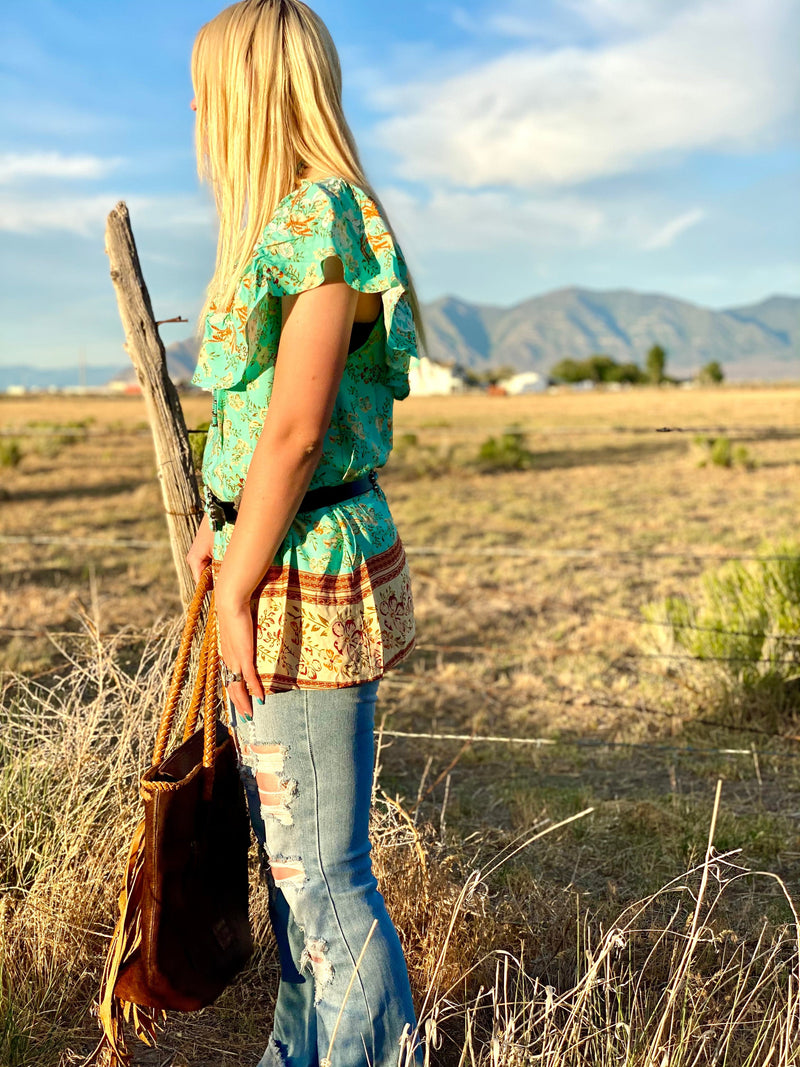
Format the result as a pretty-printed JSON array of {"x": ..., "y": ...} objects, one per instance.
[{"x": 324, "y": 218}]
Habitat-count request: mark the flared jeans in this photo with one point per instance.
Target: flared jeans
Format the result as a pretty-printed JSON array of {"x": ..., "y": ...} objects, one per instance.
[{"x": 306, "y": 759}]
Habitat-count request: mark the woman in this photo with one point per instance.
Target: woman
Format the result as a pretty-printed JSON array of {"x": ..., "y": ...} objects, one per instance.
[{"x": 308, "y": 331}]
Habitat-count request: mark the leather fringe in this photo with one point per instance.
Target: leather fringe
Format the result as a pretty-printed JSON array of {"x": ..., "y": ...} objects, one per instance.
[{"x": 113, "y": 1013}]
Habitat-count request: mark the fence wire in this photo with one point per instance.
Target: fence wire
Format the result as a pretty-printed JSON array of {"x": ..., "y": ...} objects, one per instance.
[
  {"x": 502, "y": 552},
  {"x": 778, "y": 432},
  {"x": 491, "y": 552},
  {"x": 579, "y": 742}
]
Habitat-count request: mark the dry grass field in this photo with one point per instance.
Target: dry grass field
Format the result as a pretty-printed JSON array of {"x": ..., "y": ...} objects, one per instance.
[{"x": 592, "y": 944}]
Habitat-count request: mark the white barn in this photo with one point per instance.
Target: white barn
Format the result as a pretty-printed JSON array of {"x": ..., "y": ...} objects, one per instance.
[
  {"x": 427, "y": 378},
  {"x": 526, "y": 382}
]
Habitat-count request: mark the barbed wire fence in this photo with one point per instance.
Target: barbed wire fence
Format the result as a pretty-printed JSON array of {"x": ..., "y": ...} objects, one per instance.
[
  {"x": 762, "y": 432},
  {"x": 566, "y": 698},
  {"x": 498, "y": 552}
]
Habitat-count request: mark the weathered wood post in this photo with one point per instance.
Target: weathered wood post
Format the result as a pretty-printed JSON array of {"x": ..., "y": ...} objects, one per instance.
[{"x": 144, "y": 346}]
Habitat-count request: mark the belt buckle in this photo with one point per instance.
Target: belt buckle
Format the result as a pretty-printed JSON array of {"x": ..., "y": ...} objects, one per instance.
[
  {"x": 216, "y": 516},
  {"x": 373, "y": 477}
]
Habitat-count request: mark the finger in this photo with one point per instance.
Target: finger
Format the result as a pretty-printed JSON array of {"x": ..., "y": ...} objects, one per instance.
[
  {"x": 253, "y": 682},
  {"x": 250, "y": 668},
  {"x": 243, "y": 713},
  {"x": 241, "y": 699}
]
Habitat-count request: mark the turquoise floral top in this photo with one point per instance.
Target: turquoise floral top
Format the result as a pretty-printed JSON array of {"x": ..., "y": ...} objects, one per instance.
[{"x": 335, "y": 606}]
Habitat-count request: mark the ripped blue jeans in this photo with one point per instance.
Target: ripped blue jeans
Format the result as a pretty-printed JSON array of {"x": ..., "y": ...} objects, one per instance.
[{"x": 306, "y": 760}]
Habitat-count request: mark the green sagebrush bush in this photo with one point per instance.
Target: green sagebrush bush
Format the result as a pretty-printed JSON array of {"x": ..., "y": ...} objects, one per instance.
[
  {"x": 508, "y": 452},
  {"x": 10, "y": 452},
  {"x": 745, "y": 619},
  {"x": 406, "y": 441},
  {"x": 721, "y": 453}
]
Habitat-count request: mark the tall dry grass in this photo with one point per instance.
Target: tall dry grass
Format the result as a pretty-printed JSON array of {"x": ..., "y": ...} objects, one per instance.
[
  {"x": 505, "y": 972},
  {"x": 71, "y": 751}
]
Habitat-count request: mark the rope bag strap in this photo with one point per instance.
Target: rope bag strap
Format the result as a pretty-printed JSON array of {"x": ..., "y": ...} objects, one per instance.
[{"x": 204, "y": 690}]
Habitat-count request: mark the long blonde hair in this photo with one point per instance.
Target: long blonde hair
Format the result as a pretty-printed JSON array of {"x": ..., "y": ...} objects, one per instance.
[{"x": 268, "y": 90}]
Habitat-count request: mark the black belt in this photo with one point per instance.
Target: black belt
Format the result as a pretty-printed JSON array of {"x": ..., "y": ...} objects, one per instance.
[{"x": 222, "y": 511}]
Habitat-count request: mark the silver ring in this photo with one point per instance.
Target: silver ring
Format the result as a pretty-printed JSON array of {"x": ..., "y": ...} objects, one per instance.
[{"x": 229, "y": 676}]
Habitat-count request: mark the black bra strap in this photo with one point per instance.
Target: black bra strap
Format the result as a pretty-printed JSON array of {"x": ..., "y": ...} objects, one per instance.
[{"x": 360, "y": 334}]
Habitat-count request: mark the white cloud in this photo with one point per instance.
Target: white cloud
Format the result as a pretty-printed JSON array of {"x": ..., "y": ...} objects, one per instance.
[
  {"x": 719, "y": 74},
  {"x": 79, "y": 214},
  {"x": 487, "y": 222},
  {"x": 504, "y": 23},
  {"x": 86, "y": 215},
  {"x": 15, "y": 166},
  {"x": 620, "y": 14},
  {"x": 560, "y": 23},
  {"x": 665, "y": 235}
]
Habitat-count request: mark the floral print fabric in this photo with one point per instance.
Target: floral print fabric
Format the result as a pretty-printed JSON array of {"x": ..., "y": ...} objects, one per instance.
[{"x": 335, "y": 607}]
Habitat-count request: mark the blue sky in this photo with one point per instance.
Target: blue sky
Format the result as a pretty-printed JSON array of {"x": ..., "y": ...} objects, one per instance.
[{"x": 518, "y": 146}]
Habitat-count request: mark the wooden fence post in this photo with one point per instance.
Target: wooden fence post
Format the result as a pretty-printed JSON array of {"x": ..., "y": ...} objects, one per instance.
[{"x": 144, "y": 346}]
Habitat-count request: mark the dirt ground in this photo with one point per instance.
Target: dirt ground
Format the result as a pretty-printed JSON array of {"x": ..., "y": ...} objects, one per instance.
[
  {"x": 528, "y": 588},
  {"x": 534, "y": 578},
  {"x": 528, "y": 584}
]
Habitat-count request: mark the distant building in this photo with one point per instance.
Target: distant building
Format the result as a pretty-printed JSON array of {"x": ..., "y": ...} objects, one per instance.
[
  {"x": 426, "y": 378},
  {"x": 527, "y": 382},
  {"x": 120, "y": 385}
]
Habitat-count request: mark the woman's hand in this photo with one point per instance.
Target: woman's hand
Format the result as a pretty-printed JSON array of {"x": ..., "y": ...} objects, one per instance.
[
  {"x": 236, "y": 628},
  {"x": 199, "y": 555},
  {"x": 234, "y": 622}
]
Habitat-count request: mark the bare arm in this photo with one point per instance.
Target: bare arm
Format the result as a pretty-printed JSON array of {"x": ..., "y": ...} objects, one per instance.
[{"x": 311, "y": 359}]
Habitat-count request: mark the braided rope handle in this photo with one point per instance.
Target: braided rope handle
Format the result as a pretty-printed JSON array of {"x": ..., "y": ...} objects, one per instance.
[
  {"x": 209, "y": 713},
  {"x": 199, "y": 690},
  {"x": 206, "y": 681}
]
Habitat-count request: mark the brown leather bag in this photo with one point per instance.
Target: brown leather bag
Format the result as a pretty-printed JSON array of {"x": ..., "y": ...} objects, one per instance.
[{"x": 183, "y": 931}]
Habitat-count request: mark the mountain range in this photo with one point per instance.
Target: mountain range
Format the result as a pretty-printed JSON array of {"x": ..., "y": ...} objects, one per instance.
[
  {"x": 753, "y": 341},
  {"x": 759, "y": 341}
]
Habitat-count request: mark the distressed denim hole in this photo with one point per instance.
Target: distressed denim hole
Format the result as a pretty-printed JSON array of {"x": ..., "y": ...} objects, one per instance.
[
  {"x": 288, "y": 875},
  {"x": 276, "y": 794},
  {"x": 315, "y": 955}
]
